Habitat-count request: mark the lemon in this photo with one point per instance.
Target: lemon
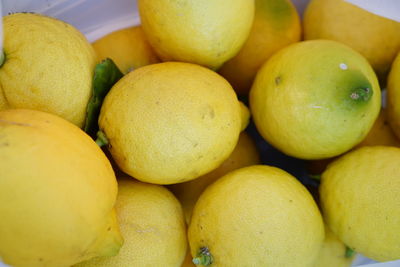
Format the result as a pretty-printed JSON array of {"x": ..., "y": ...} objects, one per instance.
[
  {"x": 197, "y": 31},
  {"x": 375, "y": 37},
  {"x": 256, "y": 216},
  {"x": 360, "y": 200},
  {"x": 128, "y": 48},
  {"x": 393, "y": 96},
  {"x": 276, "y": 24},
  {"x": 244, "y": 154},
  {"x": 152, "y": 224},
  {"x": 380, "y": 135},
  {"x": 57, "y": 192},
  {"x": 315, "y": 99},
  {"x": 48, "y": 66},
  {"x": 333, "y": 252},
  {"x": 170, "y": 122}
]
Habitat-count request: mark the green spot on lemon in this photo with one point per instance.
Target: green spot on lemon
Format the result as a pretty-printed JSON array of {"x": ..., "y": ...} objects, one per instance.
[{"x": 204, "y": 257}]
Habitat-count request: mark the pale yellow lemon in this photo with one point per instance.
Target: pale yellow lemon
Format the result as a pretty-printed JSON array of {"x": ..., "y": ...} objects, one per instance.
[
  {"x": 128, "y": 48},
  {"x": 48, "y": 66},
  {"x": 152, "y": 224},
  {"x": 276, "y": 24},
  {"x": 256, "y": 216},
  {"x": 244, "y": 154},
  {"x": 170, "y": 122},
  {"x": 360, "y": 196},
  {"x": 315, "y": 99},
  {"x": 197, "y": 31},
  {"x": 375, "y": 37},
  {"x": 57, "y": 192}
]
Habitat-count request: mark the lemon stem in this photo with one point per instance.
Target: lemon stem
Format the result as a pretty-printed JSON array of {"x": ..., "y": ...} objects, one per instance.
[
  {"x": 349, "y": 252},
  {"x": 315, "y": 176},
  {"x": 101, "y": 139},
  {"x": 361, "y": 94},
  {"x": 204, "y": 257}
]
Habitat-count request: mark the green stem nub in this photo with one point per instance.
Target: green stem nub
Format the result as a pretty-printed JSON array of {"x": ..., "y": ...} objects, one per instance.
[
  {"x": 2, "y": 58},
  {"x": 315, "y": 176},
  {"x": 361, "y": 94},
  {"x": 204, "y": 257},
  {"x": 101, "y": 139},
  {"x": 349, "y": 252}
]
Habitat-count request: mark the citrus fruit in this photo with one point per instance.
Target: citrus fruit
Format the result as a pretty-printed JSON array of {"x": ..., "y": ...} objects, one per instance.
[
  {"x": 333, "y": 252},
  {"x": 346, "y": 23},
  {"x": 244, "y": 154},
  {"x": 57, "y": 192},
  {"x": 315, "y": 99},
  {"x": 276, "y": 24},
  {"x": 256, "y": 216},
  {"x": 170, "y": 122},
  {"x": 128, "y": 48},
  {"x": 360, "y": 200},
  {"x": 152, "y": 224},
  {"x": 48, "y": 66},
  {"x": 393, "y": 96},
  {"x": 197, "y": 31}
]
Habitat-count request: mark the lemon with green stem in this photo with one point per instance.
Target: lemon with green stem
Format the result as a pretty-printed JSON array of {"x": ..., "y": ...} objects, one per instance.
[
  {"x": 242, "y": 220},
  {"x": 315, "y": 99}
]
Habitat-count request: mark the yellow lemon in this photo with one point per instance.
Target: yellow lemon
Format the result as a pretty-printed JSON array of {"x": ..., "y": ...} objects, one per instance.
[
  {"x": 57, "y": 192},
  {"x": 315, "y": 99},
  {"x": 152, "y": 224},
  {"x": 256, "y": 216},
  {"x": 333, "y": 252},
  {"x": 276, "y": 24},
  {"x": 393, "y": 96},
  {"x": 244, "y": 154},
  {"x": 48, "y": 66},
  {"x": 128, "y": 48},
  {"x": 197, "y": 31},
  {"x": 375, "y": 37},
  {"x": 170, "y": 122},
  {"x": 360, "y": 199}
]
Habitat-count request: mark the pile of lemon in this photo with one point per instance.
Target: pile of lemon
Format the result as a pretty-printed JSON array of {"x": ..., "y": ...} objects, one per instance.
[{"x": 179, "y": 181}]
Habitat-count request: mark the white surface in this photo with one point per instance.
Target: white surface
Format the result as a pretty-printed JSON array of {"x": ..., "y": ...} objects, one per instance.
[
  {"x": 385, "y": 8},
  {"x": 92, "y": 18},
  {"x": 95, "y": 18}
]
